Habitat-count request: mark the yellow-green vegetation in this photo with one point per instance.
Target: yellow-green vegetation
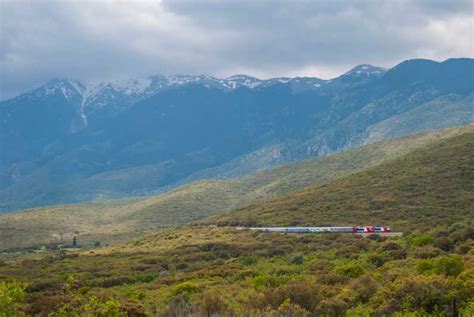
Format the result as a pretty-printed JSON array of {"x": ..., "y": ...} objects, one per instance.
[
  {"x": 210, "y": 269},
  {"x": 219, "y": 271},
  {"x": 421, "y": 189},
  {"x": 108, "y": 222}
]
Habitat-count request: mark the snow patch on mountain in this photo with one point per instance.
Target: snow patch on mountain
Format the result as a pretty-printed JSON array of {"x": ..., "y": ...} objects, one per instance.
[{"x": 366, "y": 70}]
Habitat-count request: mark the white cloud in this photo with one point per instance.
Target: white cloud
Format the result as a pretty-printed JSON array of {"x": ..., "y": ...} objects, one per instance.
[{"x": 99, "y": 40}]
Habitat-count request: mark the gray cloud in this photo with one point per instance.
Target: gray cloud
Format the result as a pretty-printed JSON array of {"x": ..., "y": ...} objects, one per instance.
[{"x": 102, "y": 40}]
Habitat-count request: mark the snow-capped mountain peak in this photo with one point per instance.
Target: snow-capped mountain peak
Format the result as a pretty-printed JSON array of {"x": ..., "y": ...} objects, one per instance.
[
  {"x": 235, "y": 81},
  {"x": 67, "y": 88},
  {"x": 366, "y": 70}
]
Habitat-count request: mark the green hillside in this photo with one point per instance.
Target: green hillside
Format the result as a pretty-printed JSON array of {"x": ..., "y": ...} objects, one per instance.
[
  {"x": 107, "y": 221},
  {"x": 117, "y": 220},
  {"x": 443, "y": 112},
  {"x": 431, "y": 185},
  {"x": 202, "y": 269}
]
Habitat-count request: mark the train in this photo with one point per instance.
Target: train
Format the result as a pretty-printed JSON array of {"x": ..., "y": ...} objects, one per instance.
[{"x": 355, "y": 229}]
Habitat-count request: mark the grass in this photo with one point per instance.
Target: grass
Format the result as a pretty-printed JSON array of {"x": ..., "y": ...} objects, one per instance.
[{"x": 109, "y": 222}]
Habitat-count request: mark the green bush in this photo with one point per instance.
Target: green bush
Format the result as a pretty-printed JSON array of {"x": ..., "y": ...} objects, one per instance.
[
  {"x": 263, "y": 281},
  {"x": 11, "y": 297},
  {"x": 449, "y": 265},
  {"x": 212, "y": 304},
  {"x": 302, "y": 293},
  {"x": 351, "y": 270},
  {"x": 422, "y": 240},
  {"x": 185, "y": 288},
  {"x": 249, "y": 259},
  {"x": 297, "y": 259},
  {"x": 424, "y": 266}
]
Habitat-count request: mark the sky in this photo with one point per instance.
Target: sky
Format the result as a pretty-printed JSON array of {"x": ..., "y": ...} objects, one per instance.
[{"x": 94, "y": 41}]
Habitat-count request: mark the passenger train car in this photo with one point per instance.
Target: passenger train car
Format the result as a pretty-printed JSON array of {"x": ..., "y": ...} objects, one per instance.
[{"x": 357, "y": 229}]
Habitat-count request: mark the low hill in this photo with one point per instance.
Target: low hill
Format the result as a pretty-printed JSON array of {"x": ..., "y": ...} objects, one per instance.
[
  {"x": 431, "y": 185},
  {"x": 111, "y": 221}
]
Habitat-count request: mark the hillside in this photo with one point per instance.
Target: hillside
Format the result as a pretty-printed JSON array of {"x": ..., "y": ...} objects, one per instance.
[
  {"x": 423, "y": 188},
  {"x": 67, "y": 143},
  {"x": 118, "y": 220},
  {"x": 218, "y": 271},
  {"x": 440, "y": 113}
]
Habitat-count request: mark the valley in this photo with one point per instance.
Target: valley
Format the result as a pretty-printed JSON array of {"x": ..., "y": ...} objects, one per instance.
[{"x": 112, "y": 221}]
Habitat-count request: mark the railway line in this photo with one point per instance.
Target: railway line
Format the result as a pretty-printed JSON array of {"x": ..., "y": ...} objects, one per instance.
[{"x": 359, "y": 230}]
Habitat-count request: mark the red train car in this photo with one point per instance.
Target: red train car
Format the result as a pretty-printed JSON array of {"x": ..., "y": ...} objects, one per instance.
[{"x": 369, "y": 229}]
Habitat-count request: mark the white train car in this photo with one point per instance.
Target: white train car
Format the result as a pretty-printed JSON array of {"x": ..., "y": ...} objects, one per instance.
[{"x": 357, "y": 229}]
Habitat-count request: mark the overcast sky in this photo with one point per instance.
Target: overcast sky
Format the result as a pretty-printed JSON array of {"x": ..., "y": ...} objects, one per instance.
[{"x": 101, "y": 40}]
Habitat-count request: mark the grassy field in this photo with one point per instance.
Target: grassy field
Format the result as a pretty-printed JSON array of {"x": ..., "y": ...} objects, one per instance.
[{"x": 109, "y": 222}]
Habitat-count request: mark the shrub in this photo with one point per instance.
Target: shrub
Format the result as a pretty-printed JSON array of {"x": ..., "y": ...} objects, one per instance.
[
  {"x": 11, "y": 297},
  {"x": 185, "y": 288},
  {"x": 415, "y": 294},
  {"x": 351, "y": 270},
  {"x": 212, "y": 304},
  {"x": 364, "y": 287},
  {"x": 150, "y": 261},
  {"x": 391, "y": 246},
  {"x": 111, "y": 281},
  {"x": 180, "y": 305},
  {"x": 249, "y": 260},
  {"x": 426, "y": 252},
  {"x": 449, "y": 265},
  {"x": 424, "y": 266},
  {"x": 182, "y": 266},
  {"x": 77, "y": 306},
  {"x": 464, "y": 248},
  {"x": 467, "y": 309},
  {"x": 95, "y": 307},
  {"x": 444, "y": 244},
  {"x": 302, "y": 293},
  {"x": 376, "y": 259},
  {"x": 263, "y": 281},
  {"x": 297, "y": 259},
  {"x": 145, "y": 278},
  {"x": 287, "y": 308},
  {"x": 422, "y": 240}
]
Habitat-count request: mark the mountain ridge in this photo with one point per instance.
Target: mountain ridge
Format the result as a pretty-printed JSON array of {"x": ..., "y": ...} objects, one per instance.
[{"x": 55, "y": 141}]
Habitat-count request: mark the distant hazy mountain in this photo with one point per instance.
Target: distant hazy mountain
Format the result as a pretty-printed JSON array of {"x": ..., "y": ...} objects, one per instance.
[{"x": 64, "y": 142}]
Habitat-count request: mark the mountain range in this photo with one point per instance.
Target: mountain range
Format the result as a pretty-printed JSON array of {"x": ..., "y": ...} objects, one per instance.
[{"x": 64, "y": 142}]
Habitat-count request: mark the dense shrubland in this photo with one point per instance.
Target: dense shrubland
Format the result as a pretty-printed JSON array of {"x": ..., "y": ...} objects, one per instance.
[{"x": 209, "y": 271}]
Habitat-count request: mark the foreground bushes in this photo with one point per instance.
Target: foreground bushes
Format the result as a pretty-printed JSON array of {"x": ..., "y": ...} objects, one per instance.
[
  {"x": 222, "y": 272},
  {"x": 12, "y": 296}
]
